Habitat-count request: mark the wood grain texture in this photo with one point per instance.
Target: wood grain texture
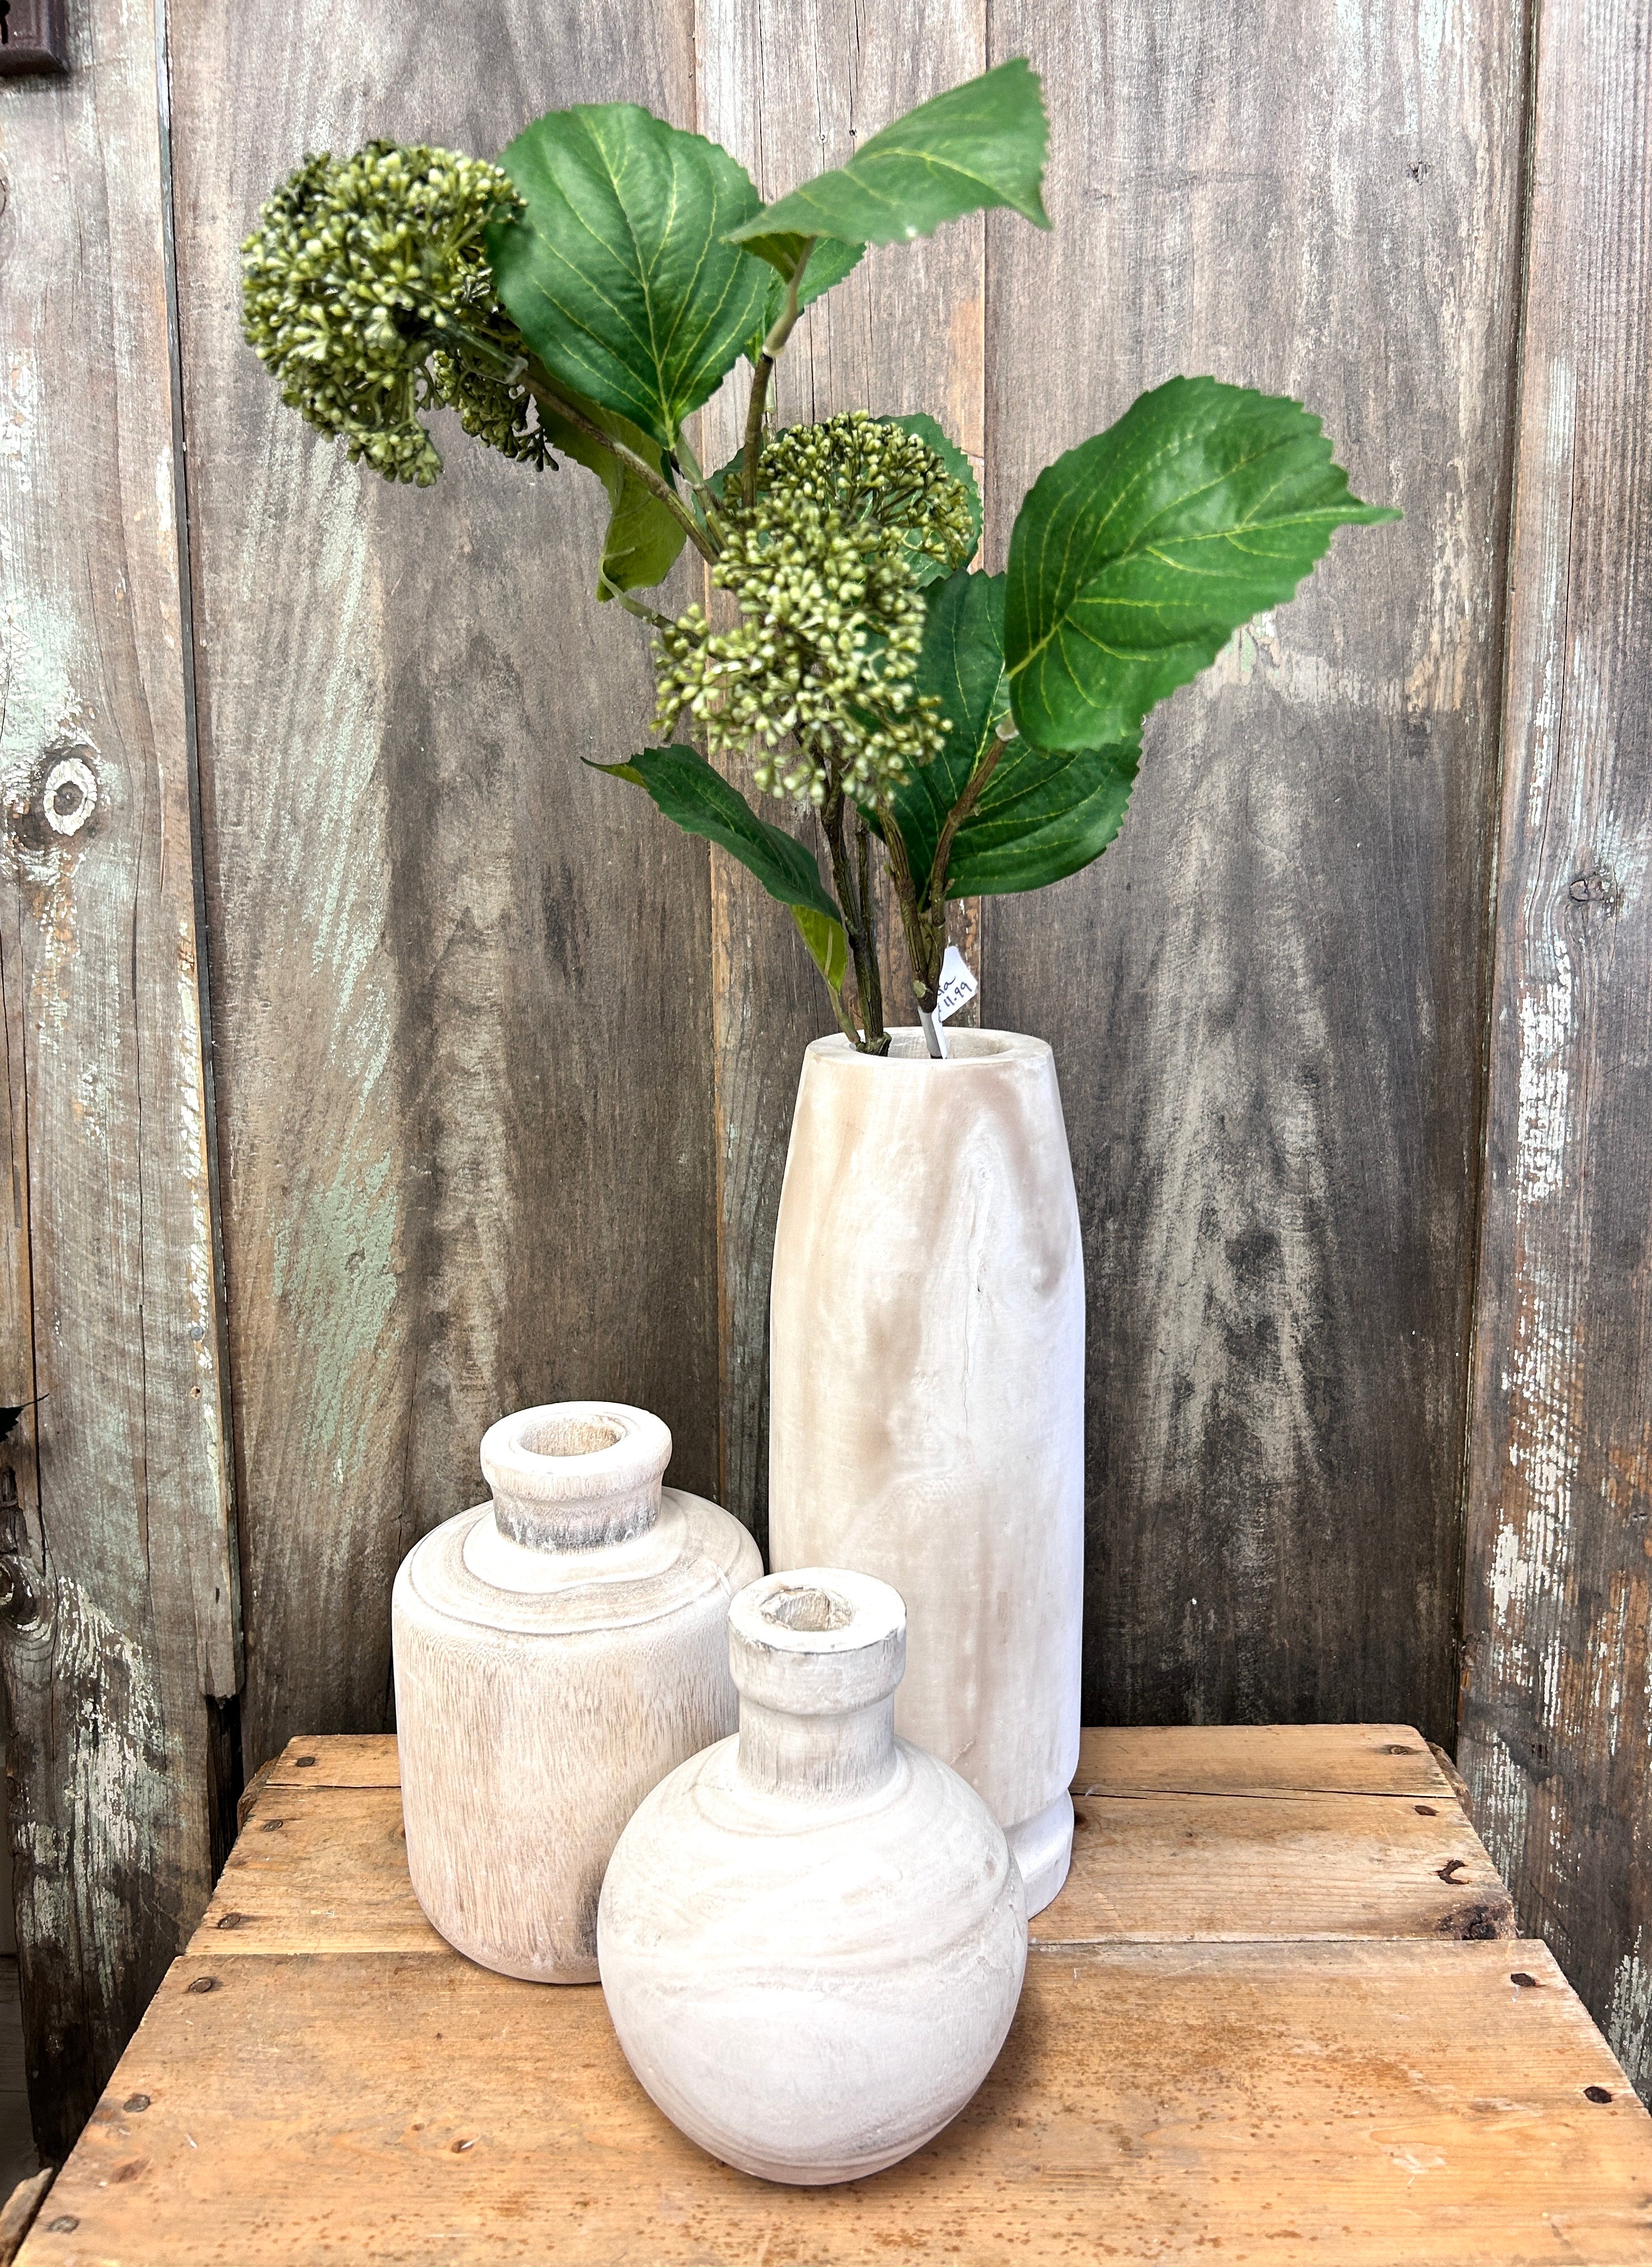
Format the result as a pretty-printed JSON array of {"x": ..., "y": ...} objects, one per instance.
[
  {"x": 1557, "y": 1717},
  {"x": 1265, "y": 1001},
  {"x": 790, "y": 95},
  {"x": 461, "y": 981},
  {"x": 1168, "y": 1869},
  {"x": 118, "y": 1631},
  {"x": 1257, "y": 1759},
  {"x": 1390, "y": 2104},
  {"x": 321, "y": 1864}
]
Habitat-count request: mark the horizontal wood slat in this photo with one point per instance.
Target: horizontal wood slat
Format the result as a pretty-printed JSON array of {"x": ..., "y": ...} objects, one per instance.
[
  {"x": 1259, "y": 1759},
  {"x": 321, "y": 1865},
  {"x": 1173, "y": 1867},
  {"x": 1355, "y": 2102}
]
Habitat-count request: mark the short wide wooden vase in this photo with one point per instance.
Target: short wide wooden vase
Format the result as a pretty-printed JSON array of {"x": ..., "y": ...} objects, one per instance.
[
  {"x": 557, "y": 1653},
  {"x": 926, "y": 1397},
  {"x": 813, "y": 1936}
]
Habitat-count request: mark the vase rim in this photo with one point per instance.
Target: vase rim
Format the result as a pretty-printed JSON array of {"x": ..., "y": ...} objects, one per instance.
[
  {"x": 572, "y": 1473},
  {"x": 966, "y": 1050}
]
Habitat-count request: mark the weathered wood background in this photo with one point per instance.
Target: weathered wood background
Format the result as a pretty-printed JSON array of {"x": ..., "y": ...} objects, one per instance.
[{"x": 1353, "y": 1023}]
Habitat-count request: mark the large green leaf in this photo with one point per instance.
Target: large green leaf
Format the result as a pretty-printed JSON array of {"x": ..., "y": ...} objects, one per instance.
[
  {"x": 700, "y": 801},
  {"x": 980, "y": 144},
  {"x": 925, "y": 569},
  {"x": 643, "y": 537},
  {"x": 619, "y": 273},
  {"x": 1137, "y": 555},
  {"x": 1040, "y": 818},
  {"x": 962, "y": 664}
]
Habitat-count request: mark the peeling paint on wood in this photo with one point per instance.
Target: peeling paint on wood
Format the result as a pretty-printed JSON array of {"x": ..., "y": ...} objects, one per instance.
[
  {"x": 1557, "y": 1702},
  {"x": 117, "y": 1575}
]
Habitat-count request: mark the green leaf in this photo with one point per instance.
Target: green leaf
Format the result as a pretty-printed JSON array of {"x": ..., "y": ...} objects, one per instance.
[
  {"x": 701, "y": 802},
  {"x": 925, "y": 569},
  {"x": 619, "y": 273},
  {"x": 1040, "y": 818},
  {"x": 962, "y": 664},
  {"x": 978, "y": 145},
  {"x": 827, "y": 946},
  {"x": 1137, "y": 555},
  {"x": 643, "y": 539},
  {"x": 828, "y": 264}
]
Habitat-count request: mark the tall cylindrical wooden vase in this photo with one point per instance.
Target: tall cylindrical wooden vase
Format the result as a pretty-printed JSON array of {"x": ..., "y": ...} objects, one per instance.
[{"x": 926, "y": 1413}]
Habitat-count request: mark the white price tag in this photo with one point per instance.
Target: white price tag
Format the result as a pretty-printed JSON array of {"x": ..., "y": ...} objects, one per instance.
[{"x": 957, "y": 987}]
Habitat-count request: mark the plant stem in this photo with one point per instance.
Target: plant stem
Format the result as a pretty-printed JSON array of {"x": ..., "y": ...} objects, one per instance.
[
  {"x": 974, "y": 789},
  {"x": 697, "y": 481},
  {"x": 539, "y": 386},
  {"x": 857, "y": 925},
  {"x": 773, "y": 347}
]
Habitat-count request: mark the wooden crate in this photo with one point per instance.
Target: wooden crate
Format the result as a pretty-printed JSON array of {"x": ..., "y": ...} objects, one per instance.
[{"x": 1279, "y": 2013}]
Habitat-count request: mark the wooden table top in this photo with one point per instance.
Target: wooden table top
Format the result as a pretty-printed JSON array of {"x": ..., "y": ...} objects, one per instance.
[{"x": 1279, "y": 2013}]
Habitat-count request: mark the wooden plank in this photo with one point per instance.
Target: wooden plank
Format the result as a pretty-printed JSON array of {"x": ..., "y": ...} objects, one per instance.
[
  {"x": 463, "y": 982},
  {"x": 317, "y": 1869},
  {"x": 789, "y": 102},
  {"x": 1393, "y": 2103},
  {"x": 119, "y": 1637},
  {"x": 1154, "y": 1869},
  {"x": 345, "y": 1759},
  {"x": 1259, "y": 1759},
  {"x": 1557, "y": 1720},
  {"x": 325, "y": 1869},
  {"x": 1385, "y": 1759},
  {"x": 1265, "y": 1001}
]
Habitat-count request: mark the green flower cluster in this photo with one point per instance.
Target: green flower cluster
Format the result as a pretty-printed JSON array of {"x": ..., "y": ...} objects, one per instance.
[
  {"x": 824, "y": 567},
  {"x": 367, "y": 292}
]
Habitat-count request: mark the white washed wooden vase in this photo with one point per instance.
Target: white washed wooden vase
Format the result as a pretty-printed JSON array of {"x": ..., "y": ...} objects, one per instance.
[
  {"x": 813, "y": 1936},
  {"x": 557, "y": 1653},
  {"x": 926, "y": 1397}
]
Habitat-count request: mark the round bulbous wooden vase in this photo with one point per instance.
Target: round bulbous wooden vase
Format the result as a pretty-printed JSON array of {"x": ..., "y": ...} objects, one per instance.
[
  {"x": 812, "y": 1937},
  {"x": 557, "y": 1653},
  {"x": 926, "y": 1410}
]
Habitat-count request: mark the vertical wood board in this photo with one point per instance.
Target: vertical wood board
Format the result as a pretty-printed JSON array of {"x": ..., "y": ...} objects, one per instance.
[
  {"x": 463, "y": 981},
  {"x": 1265, "y": 1001},
  {"x": 118, "y": 1630},
  {"x": 1557, "y": 1715}
]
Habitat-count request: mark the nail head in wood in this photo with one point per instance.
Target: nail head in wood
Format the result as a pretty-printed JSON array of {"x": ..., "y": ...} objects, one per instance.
[{"x": 33, "y": 38}]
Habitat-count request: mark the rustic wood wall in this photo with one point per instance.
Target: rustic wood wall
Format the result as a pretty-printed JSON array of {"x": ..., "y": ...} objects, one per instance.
[
  {"x": 1557, "y": 1718},
  {"x": 504, "y": 1066}
]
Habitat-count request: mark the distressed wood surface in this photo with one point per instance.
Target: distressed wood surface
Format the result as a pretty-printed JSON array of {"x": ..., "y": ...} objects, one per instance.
[
  {"x": 1266, "y": 1002},
  {"x": 1392, "y": 2103},
  {"x": 790, "y": 95},
  {"x": 462, "y": 982},
  {"x": 118, "y": 1627},
  {"x": 1219, "y": 1849},
  {"x": 1557, "y": 1718}
]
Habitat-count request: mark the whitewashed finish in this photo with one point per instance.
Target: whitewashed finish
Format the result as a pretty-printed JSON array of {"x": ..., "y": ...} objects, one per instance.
[
  {"x": 927, "y": 1397},
  {"x": 813, "y": 1936},
  {"x": 557, "y": 1653}
]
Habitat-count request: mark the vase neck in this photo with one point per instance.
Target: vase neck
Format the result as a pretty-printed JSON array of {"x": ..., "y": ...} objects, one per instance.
[
  {"x": 820, "y": 1758},
  {"x": 575, "y": 1475},
  {"x": 816, "y": 1656}
]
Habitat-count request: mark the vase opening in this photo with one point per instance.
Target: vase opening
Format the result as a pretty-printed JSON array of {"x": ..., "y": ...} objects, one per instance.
[
  {"x": 572, "y": 1436},
  {"x": 575, "y": 1475},
  {"x": 811, "y": 1609}
]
